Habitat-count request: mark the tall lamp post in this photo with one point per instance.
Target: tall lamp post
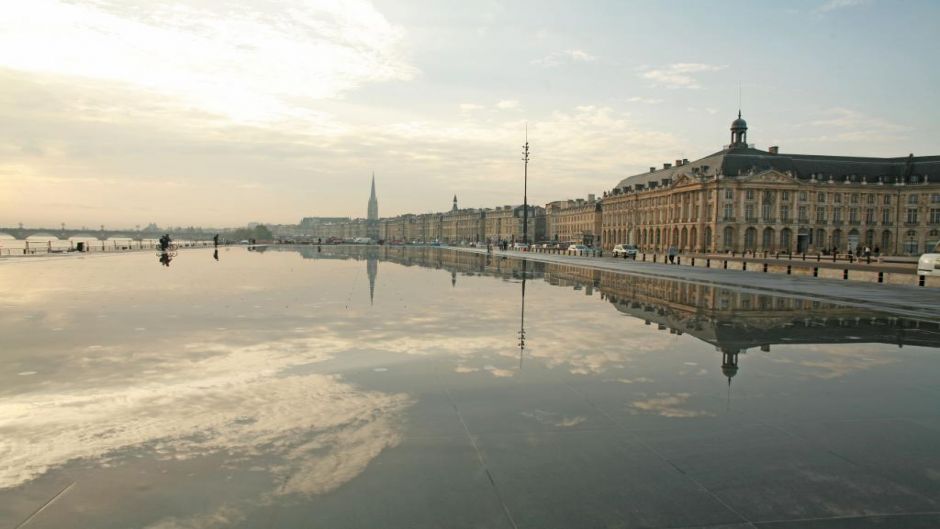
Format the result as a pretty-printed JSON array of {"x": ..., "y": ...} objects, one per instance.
[{"x": 525, "y": 189}]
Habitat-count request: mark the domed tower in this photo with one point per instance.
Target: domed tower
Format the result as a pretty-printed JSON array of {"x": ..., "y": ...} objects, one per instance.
[
  {"x": 729, "y": 363},
  {"x": 739, "y": 133}
]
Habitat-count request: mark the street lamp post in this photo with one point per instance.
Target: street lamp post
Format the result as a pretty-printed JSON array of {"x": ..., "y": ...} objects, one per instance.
[{"x": 525, "y": 189}]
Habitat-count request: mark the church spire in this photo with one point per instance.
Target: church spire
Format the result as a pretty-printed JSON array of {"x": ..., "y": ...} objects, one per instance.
[
  {"x": 372, "y": 217},
  {"x": 455, "y": 203}
]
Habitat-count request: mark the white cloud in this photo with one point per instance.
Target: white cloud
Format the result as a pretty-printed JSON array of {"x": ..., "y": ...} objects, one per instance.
[
  {"x": 507, "y": 104},
  {"x": 680, "y": 75},
  {"x": 832, "y": 5},
  {"x": 645, "y": 100},
  {"x": 557, "y": 58},
  {"x": 848, "y": 125},
  {"x": 469, "y": 107},
  {"x": 248, "y": 64},
  {"x": 209, "y": 398}
]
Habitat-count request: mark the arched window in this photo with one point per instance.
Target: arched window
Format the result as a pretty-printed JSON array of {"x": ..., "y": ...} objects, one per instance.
[
  {"x": 750, "y": 238},
  {"x": 767, "y": 240},
  {"x": 786, "y": 237}
]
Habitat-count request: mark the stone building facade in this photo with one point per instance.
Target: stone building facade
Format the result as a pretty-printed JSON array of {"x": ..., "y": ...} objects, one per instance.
[
  {"x": 742, "y": 198},
  {"x": 506, "y": 224},
  {"x": 575, "y": 221}
]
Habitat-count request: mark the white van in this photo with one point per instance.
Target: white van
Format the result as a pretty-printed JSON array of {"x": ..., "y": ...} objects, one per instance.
[{"x": 929, "y": 263}]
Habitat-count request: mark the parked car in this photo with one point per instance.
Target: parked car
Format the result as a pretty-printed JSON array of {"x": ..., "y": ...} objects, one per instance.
[
  {"x": 625, "y": 250},
  {"x": 929, "y": 263},
  {"x": 576, "y": 249},
  {"x": 521, "y": 246}
]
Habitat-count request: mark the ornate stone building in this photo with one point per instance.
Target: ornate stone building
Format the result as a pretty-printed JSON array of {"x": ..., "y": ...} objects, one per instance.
[
  {"x": 505, "y": 224},
  {"x": 577, "y": 221},
  {"x": 742, "y": 198}
]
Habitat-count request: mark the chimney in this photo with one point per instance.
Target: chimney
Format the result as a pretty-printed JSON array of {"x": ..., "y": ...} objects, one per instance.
[
  {"x": 685, "y": 161},
  {"x": 591, "y": 197},
  {"x": 774, "y": 150},
  {"x": 652, "y": 169},
  {"x": 667, "y": 165},
  {"x": 678, "y": 163}
]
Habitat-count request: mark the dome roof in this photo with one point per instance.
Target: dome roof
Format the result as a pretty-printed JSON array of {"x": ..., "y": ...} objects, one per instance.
[
  {"x": 729, "y": 370},
  {"x": 739, "y": 123}
]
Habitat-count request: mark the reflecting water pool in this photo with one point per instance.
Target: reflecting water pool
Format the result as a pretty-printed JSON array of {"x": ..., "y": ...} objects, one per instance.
[{"x": 367, "y": 387}]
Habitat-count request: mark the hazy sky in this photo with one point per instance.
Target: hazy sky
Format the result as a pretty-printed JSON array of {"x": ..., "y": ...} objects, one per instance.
[{"x": 206, "y": 112}]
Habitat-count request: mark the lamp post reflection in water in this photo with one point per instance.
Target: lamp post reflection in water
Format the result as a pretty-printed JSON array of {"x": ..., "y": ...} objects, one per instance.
[{"x": 522, "y": 318}]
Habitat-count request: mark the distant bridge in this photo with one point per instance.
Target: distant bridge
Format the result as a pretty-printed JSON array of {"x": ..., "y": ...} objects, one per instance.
[{"x": 23, "y": 233}]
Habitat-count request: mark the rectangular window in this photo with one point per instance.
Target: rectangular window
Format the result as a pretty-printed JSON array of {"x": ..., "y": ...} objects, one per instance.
[
  {"x": 912, "y": 199},
  {"x": 766, "y": 211},
  {"x": 870, "y": 216},
  {"x": 728, "y": 212},
  {"x": 820, "y": 214},
  {"x": 785, "y": 195},
  {"x": 837, "y": 198},
  {"x": 887, "y": 200},
  {"x": 749, "y": 212},
  {"x": 802, "y": 196},
  {"x": 912, "y": 215},
  {"x": 803, "y": 217},
  {"x": 785, "y": 213},
  {"x": 935, "y": 198},
  {"x": 729, "y": 194},
  {"x": 871, "y": 198},
  {"x": 935, "y": 216},
  {"x": 837, "y": 214},
  {"x": 821, "y": 198},
  {"x": 749, "y": 194},
  {"x": 853, "y": 214},
  {"x": 886, "y": 217},
  {"x": 855, "y": 198}
]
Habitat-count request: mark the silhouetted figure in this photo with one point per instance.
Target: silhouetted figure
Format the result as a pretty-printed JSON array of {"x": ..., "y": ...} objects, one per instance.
[
  {"x": 215, "y": 254},
  {"x": 215, "y": 241},
  {"x": 165, "y": 259},
  {"x": 165, "y": 241}
]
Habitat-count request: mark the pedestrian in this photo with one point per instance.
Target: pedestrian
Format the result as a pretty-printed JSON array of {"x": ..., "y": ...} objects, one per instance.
[
  {"x": 215, "y": 240},
  {"x": 867, "y": 252},
  {"x": 673, "y": 251},
  {"x": 877, "y": 251}
]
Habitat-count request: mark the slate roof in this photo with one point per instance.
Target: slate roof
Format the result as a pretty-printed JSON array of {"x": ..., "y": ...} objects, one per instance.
[{"x": 738, "y": 161}]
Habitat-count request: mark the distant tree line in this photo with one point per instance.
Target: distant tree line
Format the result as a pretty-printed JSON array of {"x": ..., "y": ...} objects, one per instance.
[{"x": 259, "y": 232}]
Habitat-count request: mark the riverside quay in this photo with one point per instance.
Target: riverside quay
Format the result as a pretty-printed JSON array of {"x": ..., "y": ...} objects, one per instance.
[{"x": 738, "y": 199}]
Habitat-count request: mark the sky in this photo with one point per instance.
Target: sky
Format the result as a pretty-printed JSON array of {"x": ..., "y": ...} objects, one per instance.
[{"x": 220, "y": 113}]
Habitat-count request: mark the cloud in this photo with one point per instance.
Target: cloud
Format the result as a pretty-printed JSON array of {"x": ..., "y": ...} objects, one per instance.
[
  {"x": 848, "y": 125},
  {"x": 833, "y": 5},
  {"x": 558, "y": 58},
  {"x": 209, "y": 398},
  {"x": 507, "y": 104},
  {"x": 680, "y": 75},
  {"x": 469, "y": 107},
  {"x": 668, "y": 405},
  {"x": 247, "y": 64},
  {"x": 645, "y": 100}
]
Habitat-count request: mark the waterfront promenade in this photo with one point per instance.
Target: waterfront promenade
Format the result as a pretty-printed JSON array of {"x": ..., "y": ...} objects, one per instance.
[{"x": 903, "y": 300}]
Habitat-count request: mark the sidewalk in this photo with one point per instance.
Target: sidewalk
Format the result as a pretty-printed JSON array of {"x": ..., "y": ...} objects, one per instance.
[{"x": 902, "y": 299}]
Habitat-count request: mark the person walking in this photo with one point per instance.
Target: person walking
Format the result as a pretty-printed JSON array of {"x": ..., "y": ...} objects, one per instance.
[{"x": 673, "y": 251}]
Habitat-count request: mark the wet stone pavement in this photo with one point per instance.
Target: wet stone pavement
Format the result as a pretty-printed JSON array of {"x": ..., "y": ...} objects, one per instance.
[{"x": 360, "y": 387}]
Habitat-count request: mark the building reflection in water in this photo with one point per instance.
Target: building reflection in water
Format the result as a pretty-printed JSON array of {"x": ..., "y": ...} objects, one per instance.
[{"x": 732, "y": 321}]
